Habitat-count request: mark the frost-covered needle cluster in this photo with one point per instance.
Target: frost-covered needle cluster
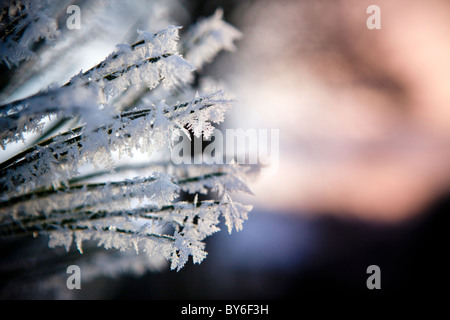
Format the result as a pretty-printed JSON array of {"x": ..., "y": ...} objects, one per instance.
[{"x": 141, "y": 98}]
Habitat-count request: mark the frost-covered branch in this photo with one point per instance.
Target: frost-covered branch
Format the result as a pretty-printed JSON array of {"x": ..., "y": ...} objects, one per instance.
[
  {"x": 208, "y": 37},
  {"x": 43, "y": 189},
  {"x": 78, "y": 146}
]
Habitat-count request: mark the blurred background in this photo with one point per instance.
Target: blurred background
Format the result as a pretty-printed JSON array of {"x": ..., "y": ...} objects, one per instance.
[{"x": 364, "y": 164}]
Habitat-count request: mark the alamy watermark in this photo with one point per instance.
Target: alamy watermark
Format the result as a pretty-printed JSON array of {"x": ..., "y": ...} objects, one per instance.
[
  {"x": 74, "y": 280},
  {"x": 74, "y": 20},
  {"x": 250, "y": 147},
  {"x": 373, "y": 22},
  {"x": 374, "y": 280}
]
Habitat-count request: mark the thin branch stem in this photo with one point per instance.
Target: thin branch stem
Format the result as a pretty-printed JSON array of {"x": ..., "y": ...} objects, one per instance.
[
  {"x": 46, "y": 192},
  {"x": 34, "y": 224},
  {"x": 21, "y": 158}
]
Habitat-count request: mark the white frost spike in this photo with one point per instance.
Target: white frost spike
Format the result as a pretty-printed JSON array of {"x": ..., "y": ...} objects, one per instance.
[
  {"x": 183, "y": 248},
  {"x": 164, "y": 40},
  {"x": 80, "y": 236},
  {"x": 61, "y": 238},
  {"x": 161, "y": 122},
  {"x": 163, "y": 191},
  {"x": 208, "y": 37},
  {"x": 195, "y": 201},
  {"x": 235, "y": 213}
]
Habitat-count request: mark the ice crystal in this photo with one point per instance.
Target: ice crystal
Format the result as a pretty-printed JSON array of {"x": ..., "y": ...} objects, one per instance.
[{"x": 86, "y": 124}]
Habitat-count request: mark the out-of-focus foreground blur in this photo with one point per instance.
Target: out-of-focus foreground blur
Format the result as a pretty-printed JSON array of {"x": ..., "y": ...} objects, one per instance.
[{"x": 363, "y": 176}]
